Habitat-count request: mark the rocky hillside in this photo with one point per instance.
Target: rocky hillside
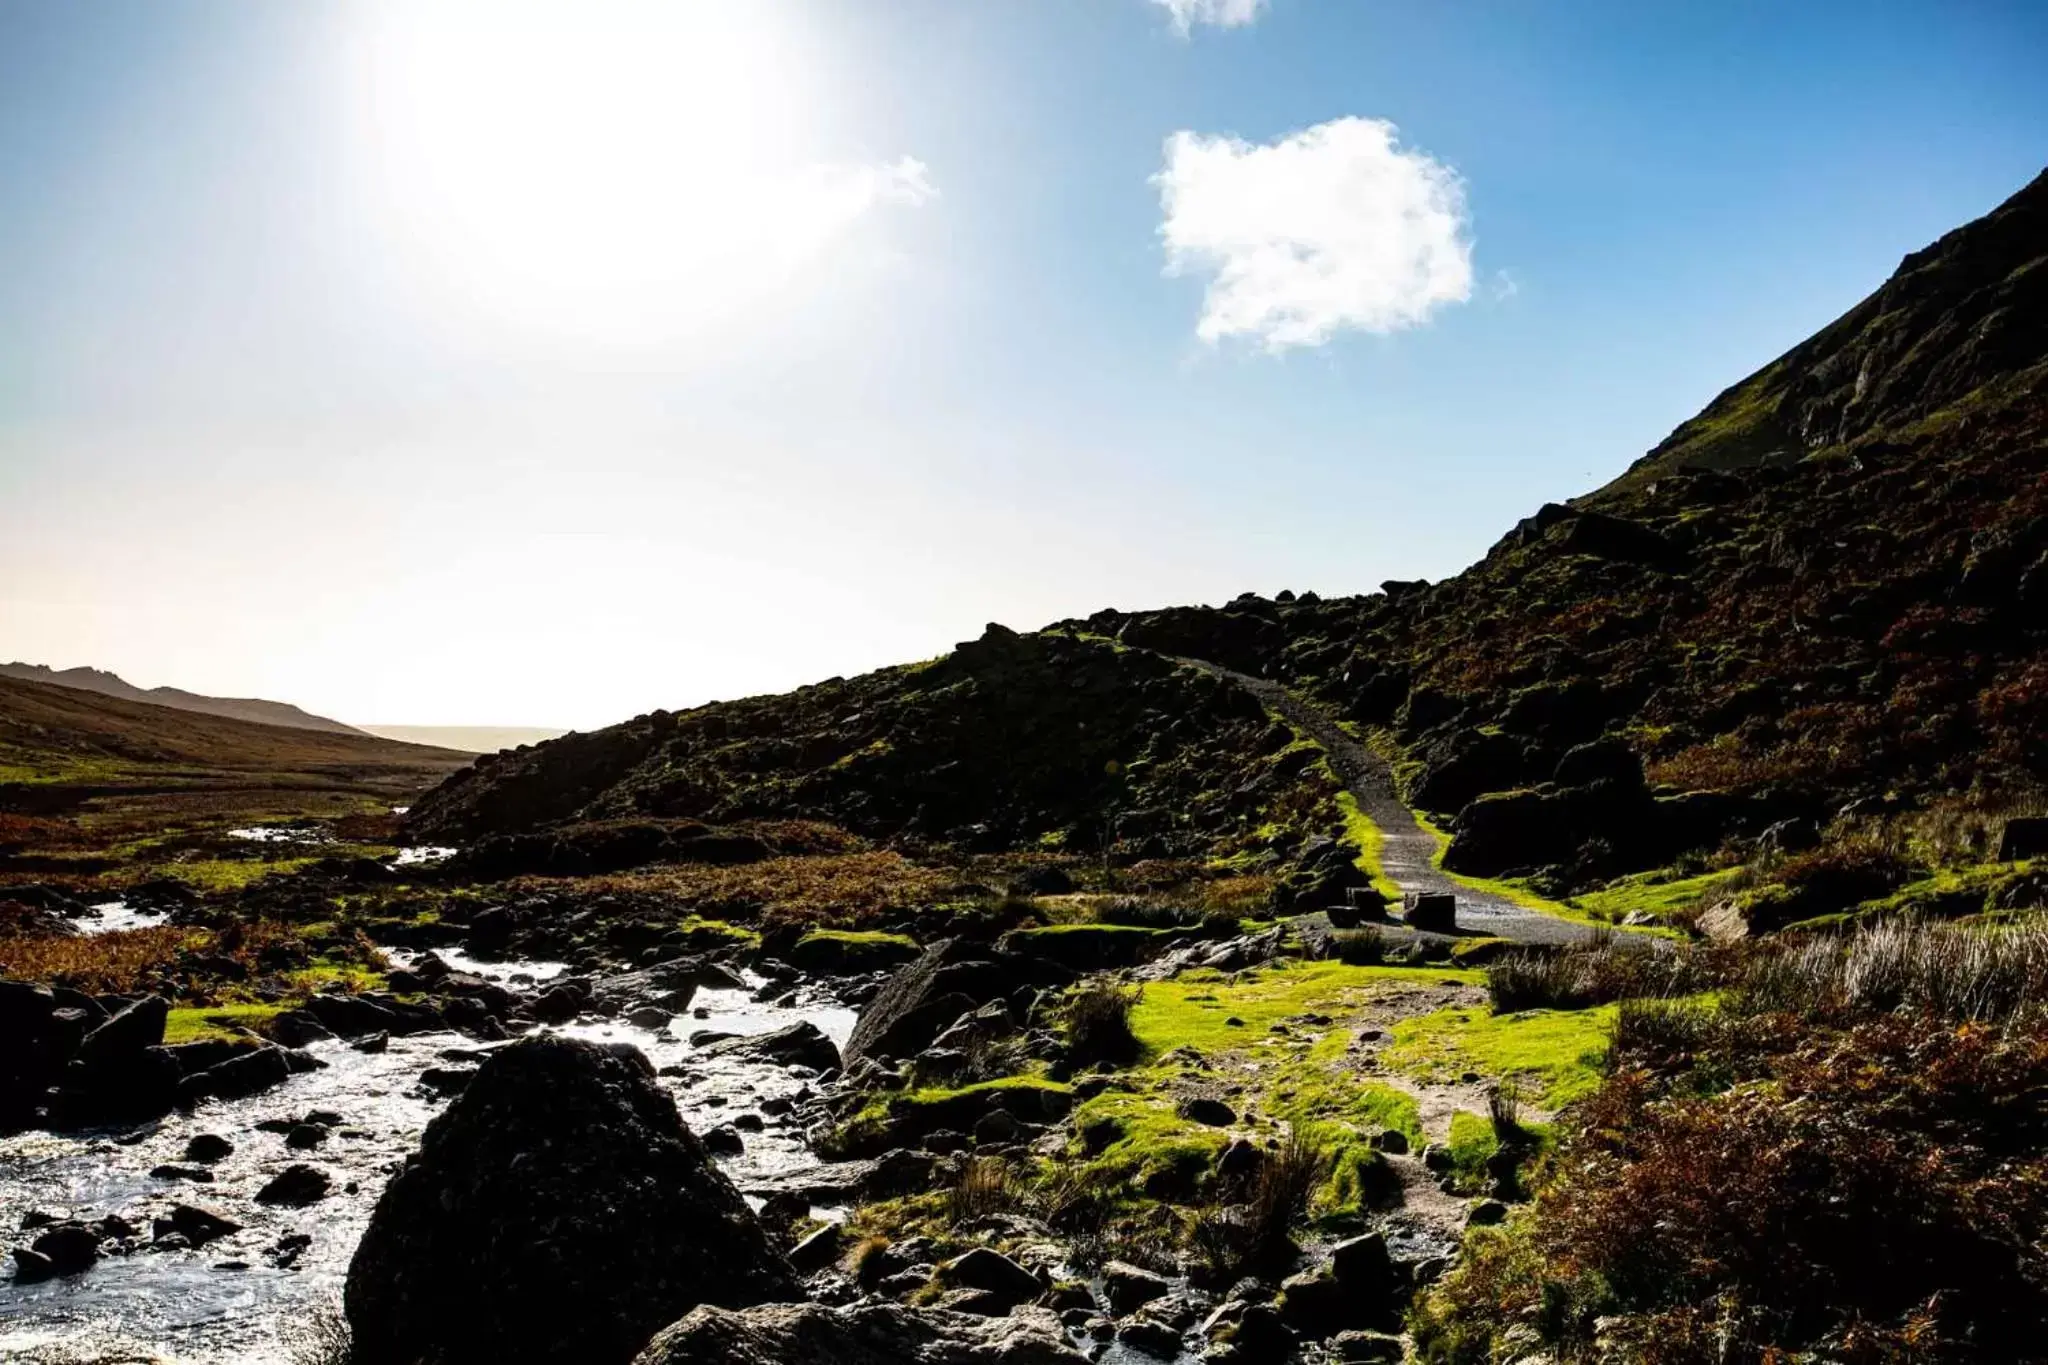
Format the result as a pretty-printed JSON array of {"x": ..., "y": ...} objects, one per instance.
[
  {"x": 1050, "y": 741},
  {"x": 1831, "y": 584}
]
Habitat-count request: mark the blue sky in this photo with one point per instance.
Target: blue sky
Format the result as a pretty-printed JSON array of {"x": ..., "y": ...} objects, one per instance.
[{"x": 456, "y": 362}]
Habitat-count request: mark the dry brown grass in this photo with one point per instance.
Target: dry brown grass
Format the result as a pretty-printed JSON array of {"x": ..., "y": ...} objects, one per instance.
[
  {"x": 100, "y": 964},
  {"x": 842, "y": 890}
]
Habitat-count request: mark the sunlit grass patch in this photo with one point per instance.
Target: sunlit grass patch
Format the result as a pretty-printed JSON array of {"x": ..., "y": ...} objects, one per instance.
[
  {"x": 1654, "y": 893},
  {"x": 1360, "y": 830},
  {"x": 1557, "y": 1052},
  {"x": 197, "y": 1023},
  {"x": 1195, "y": 1008}
]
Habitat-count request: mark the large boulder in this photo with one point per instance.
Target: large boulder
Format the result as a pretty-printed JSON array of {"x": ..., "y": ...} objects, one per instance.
[
  {"x": 32, "y": 1049},
  {"x": 557, "y": 1211},
  {"x": 919, "y": 1002},
  {"x": 865, "y": 1334}
]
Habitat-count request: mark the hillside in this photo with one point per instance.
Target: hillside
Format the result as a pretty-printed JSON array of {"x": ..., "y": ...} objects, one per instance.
[
  {"x": 1043, "y": 742},
  {"x": 235, "y": 708},
  {"x": 1833, "y": 584}
]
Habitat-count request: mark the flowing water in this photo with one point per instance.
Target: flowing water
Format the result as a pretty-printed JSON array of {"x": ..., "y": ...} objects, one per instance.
[{"x": 237, "y": 1299}]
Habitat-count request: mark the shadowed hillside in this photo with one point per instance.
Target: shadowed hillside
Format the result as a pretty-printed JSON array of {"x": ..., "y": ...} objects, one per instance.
[{"x": 1033, "y": 742}]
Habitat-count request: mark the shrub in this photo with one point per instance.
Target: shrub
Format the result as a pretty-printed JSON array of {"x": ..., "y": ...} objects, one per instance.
[
  {"x": 1956, "y": 971},
  {"x": 982, "y": 1189},
  {"x": 1580, "y": 977},
  {"x": 1256, "y": 1235},
  {"x": 1366, "y": 947},
  {"x": 1098, "y": 1020}
]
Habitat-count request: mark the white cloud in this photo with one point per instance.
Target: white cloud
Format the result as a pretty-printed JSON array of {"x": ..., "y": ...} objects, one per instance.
[
  {"x": 1335, "y": 227},
  {"x": 1219, "y": 13}
]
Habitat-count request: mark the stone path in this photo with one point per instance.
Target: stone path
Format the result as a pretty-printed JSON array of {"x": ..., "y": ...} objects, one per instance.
[{"x": 1406, "y": 848}]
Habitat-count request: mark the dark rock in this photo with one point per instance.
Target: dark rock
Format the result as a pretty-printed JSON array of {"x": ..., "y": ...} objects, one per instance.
[
  {"x": 818, "y": 1250},
  {"x": 305, "y": 1137},
  {"x": 1150, "y": 1338},
  {"x": 1391, "y": 1140},
  {"x": 724, "y": 1140},
  {"x": 1240, "y": 1157},
  {"x": 922, "y": 1000},
  {"x": 251, "y": 1073},
  {"x": 1486, "y": 1213},
  {"x": 801, "y": 1044},
  {"x": 2025, "y": 837},
  {"x": 1129, "y": 1288},
  {"x": 198, "y": 1174},
  {"x": 1205, "y": 1109},
  {"x": 1362, "y": 1266},
  {"x": 863, "y": 1334},
  {"x": 208, "y": 1147},
  {"x": 70, "y": 1248},
  {"x": 983, "y": 1268},
  {"x": 123, "y": 1038},
  {"x": 447, "y": 1080},
  {"x": 196, "y": 1225},
  {"x": 32, "y": 1267},
  {"x": 1432, "y": 911},
  {"x": 557, "y": 1211},
  {"x": 296, "y": 1186}
]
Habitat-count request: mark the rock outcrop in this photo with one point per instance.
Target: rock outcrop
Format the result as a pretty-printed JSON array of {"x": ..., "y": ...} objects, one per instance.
[{"x": 558, "y": 1211}]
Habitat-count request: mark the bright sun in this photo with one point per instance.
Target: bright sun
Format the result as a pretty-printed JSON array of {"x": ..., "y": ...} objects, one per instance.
[{"x": 609, "y": 170}]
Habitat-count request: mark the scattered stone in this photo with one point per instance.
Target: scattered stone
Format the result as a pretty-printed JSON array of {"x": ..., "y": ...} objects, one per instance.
[
  {"x": 305, "y": 1137},
  {"x": 1392, "y": 1141},
  {"x": 801, "y": 1044},
  {"x": 1486, "y": 1213},
  {"x": 296, "y": 1186},
  {"x": 863, "y": 1334},
  {"x": 1150, "y": 1338},
  {"x": 208, "y": 1147},
  {"x": 196, "y": 1225},
  {"x": 1207, "y": 1110},
  {"x": 983, "y": 1268},
  {"x": 818, "y": 1250},
  {"x": 724, "y": 1140},
  {"x": 194, "y": 1173},
  {"x": 1129, "y": 1287},
  {"x": 70, "y": 1248}
]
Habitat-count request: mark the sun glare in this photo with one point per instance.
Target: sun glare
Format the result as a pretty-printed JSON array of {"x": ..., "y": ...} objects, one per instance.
[{"x": 622, "y": 171}]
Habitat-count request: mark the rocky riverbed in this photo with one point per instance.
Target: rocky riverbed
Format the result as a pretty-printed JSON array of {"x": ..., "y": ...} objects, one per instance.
[{"x": 237, "y": 1296}]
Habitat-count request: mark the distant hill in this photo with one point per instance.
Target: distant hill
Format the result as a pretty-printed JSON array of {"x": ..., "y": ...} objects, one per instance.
[
  {"x": 235, "y": 708},
  {"x": 49, "y": 732},
  {"x": 471, "y": 739}
]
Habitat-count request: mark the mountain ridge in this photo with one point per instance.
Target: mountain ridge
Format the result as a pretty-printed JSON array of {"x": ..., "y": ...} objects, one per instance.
[{"x": 253, "y": 709}]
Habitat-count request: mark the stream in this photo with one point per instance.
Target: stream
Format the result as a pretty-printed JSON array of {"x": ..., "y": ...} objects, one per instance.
[{"x": 236, "y": 1299}]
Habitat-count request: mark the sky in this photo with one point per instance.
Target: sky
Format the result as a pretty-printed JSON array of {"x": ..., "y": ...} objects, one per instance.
[{"x": 508, "y": 362}]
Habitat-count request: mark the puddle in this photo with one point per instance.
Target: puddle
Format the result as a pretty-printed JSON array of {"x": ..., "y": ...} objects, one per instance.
[
  {"x": 422, "y": 855},
  {"x": 111, "y": 916},
  {"x": 185, "y": 1305}
]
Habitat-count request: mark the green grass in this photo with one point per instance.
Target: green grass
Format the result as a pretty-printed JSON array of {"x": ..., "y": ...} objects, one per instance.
[
  {"x": 1322, "y": 1087},
  {"x": 1557, "y": 1053},
  {"x": 1192, "y": 1009},
  {"x": 1652, "y": 893},
  {"x": 857, "y": 937},
  {"x": 1153, "y": 1143},
  {"x": 198, "y": 1023},
  {"x": 1359, "y": 829},
  {"x": 230, "y": 874}
]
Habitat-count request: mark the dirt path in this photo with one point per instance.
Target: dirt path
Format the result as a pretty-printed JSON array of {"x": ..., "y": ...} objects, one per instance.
[{"x": 1406, "y": 849}]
